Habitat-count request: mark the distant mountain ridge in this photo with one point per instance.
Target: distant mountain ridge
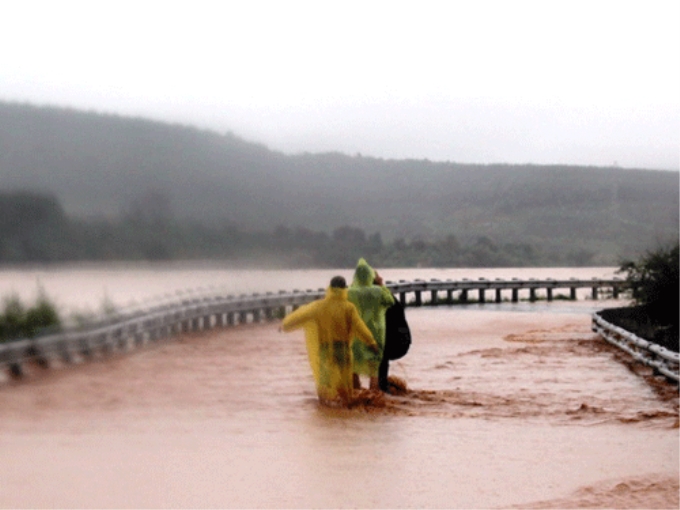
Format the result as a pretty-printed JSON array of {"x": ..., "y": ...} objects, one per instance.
[{"x": 107, "y": 166}]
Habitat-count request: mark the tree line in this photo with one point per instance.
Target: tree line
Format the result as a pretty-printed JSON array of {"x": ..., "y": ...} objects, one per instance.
[{"x": 34, "y": 228}]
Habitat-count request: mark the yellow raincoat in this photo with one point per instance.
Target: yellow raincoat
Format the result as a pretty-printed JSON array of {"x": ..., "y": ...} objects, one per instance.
[
  {"x": 330, "y": 325},
  {"x": 372, "y": 301}
]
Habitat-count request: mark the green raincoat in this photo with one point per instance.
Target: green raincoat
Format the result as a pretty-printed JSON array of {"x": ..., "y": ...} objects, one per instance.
[{"x": 371, "y": 301}]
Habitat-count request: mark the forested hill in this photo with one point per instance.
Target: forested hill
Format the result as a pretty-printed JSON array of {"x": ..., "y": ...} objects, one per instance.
[{"x": 106, "y": 166}]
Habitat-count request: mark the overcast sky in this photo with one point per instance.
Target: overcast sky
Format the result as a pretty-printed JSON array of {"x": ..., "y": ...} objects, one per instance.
[{"x": 556, "y": 82}]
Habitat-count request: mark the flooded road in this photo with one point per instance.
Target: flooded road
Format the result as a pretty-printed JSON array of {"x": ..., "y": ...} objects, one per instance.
[{"x": 508, "y": 408}]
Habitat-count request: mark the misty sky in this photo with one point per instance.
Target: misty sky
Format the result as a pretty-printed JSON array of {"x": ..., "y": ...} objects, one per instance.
[{"x": 574, "y": 82}]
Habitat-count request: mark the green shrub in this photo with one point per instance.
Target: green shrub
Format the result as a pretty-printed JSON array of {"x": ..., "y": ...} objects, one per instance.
[
  {"x": 655, "y": 284},
  {"x": 12, "y": 319},
  {"x": 17, "y": 321},
  {"x": 43, "y": 316}
]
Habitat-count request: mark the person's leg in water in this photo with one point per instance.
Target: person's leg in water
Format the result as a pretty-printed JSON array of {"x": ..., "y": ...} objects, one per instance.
[
  {"x": 374, "y": 383},
  {"x": 375, "y": 374},
  {"x": 383, "y": 371}
]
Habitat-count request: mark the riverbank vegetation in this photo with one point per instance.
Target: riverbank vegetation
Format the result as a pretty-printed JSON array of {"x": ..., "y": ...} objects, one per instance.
[
  {"x": 17, "y": 320},
  {"x": 654, "y": 314}
]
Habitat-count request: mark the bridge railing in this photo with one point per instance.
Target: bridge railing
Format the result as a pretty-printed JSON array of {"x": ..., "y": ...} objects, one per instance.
[
  {"x": 133, "y": 328},
  {"x": 483, "y": 287}
]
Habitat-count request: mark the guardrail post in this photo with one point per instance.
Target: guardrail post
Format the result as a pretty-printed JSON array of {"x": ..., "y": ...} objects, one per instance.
[
  {"x": 137, "y": 336},
  {"x": 195, "y": 324},
  {"x": 153, "y": 329},
  {"x": 63, "y": 352},
  {"x": 16, "y": 370},
  {"x": 84, "y": 349},
  {"x": 186, "y": 325},
  {"x": 219, "y": 320}
]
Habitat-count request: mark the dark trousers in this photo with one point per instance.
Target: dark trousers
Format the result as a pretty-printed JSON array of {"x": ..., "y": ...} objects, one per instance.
[{"x": 383, "y": 370}]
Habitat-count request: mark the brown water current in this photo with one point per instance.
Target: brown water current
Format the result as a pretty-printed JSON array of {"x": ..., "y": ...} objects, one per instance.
[{"x": 506, "y": 408}]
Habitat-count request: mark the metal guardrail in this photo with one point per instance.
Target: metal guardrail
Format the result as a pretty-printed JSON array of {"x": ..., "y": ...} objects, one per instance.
[
  {"x": 653, "y": 355},
  {"x": 123, "y": 332},
  {"x": 134, "y": 328}
]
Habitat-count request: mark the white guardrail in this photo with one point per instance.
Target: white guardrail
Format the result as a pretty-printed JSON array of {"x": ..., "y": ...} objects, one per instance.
[
  {"x": 653, "y": 355},
  {"x": 125, "y": 331},
  {"x": 121, "y": 332}
]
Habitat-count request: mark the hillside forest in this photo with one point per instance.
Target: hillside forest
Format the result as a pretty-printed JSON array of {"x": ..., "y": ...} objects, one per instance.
[{"x": 78, "y": 186}]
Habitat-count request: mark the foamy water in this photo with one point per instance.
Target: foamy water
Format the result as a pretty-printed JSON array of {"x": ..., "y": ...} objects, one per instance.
[{"x": 508, "y": 407}]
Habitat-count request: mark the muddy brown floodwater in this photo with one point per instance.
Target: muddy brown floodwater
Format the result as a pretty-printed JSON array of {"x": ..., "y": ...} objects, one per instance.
[{"x": 507, "y": 408}]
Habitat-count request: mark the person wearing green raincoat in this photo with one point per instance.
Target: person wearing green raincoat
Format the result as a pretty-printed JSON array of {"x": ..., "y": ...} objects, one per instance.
[
  {"x": 331, "y": 324},
  {"x": 372, "y": 301}
]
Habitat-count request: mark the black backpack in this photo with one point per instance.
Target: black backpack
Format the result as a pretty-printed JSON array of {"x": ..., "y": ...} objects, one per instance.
[{"x": 397, "y": 332}]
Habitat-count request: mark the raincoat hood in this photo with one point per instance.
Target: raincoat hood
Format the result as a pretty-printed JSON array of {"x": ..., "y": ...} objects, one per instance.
[{"x": 364, "y": 274}]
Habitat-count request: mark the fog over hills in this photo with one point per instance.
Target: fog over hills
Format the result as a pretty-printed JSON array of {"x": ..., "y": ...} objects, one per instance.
[{"x": 107, "y": 166}]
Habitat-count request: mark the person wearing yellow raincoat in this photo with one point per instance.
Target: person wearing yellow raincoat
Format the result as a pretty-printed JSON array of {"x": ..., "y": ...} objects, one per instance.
[
  {"x": 372, "y": 301},
  {"x": 330, "y": 325}
]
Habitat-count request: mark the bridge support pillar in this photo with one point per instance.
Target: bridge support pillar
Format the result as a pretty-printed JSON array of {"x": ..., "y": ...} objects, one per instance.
[
  {"x": 515, "y": 295},
  {"x": 549, "y": 292},
  {"x": 498, "y": 296}
]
